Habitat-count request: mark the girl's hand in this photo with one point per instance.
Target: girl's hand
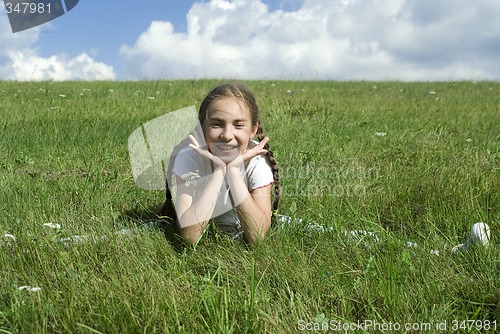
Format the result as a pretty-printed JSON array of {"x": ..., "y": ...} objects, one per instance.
[
  {"x": 249, "y": 154},
  {"x": 218, "y": 163}
]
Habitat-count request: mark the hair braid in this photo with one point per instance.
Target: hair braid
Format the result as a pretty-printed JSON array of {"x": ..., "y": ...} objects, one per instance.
[{"x": 274, "y": 167}]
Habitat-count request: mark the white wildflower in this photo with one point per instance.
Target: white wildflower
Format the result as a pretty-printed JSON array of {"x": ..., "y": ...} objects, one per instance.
[
  {"x": 150, "y": 97},
  {"x": 380, "y": 134},
  {"x": 434, "y": 252},
  {"x": 432, "y": 92},
  {"x": 468, "y": 140},
  {"x": 62, "y": 95},
  {"x": 29, "y": 288},
  {"x": 51, "y": 225},
  {"x": 10, "y": 236},
  {"x": 410, "y": 244},
  {"x": 111, "y": 90}
]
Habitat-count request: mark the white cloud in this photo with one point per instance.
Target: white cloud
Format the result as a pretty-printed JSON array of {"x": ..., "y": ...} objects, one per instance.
[
  {"x": 20, "y": 60},
  {"x": 325, "y": 39},
  {"x": 28, "y": 66}
]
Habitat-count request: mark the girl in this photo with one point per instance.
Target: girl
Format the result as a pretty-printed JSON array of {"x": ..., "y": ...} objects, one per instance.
[{"x": 220, "y": 172}]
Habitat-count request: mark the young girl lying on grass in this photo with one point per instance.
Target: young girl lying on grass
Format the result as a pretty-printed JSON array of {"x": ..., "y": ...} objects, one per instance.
[{"x": 220, "y": 173}]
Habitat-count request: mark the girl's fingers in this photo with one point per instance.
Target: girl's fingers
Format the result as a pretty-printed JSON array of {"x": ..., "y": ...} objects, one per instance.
[
  {"x": 263, "y": 142},
  {"x": 201, "y": 151},
  {"x": 253, "y": 153},
  {"x": 260, "y": 147},
  {"x": 206, "y": 154},
  {"x": 194, "y": 141}
]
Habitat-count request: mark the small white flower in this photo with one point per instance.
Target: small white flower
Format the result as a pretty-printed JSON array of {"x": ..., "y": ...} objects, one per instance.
[
  {"x": 290, "y": 92},
  {"x": 468, "y": 140},
  {"x": 62, "y": 95},
  {"x": 410, "y": 244},
  {"x": 434, "y": 252},
  {"x": 55, "y": 226},
  {"x": 432, "y": 92},
  {"x": 150, "y": 97},
  {"x": 380, "y": 134},
  {"x": 29, "y": 288},
  {"x": 10, "y": 236},
  {"x": 111, "y": 90}
]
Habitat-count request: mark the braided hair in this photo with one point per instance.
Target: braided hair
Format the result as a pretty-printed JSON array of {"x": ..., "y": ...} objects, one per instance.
[{"x": 240, "y": 93}]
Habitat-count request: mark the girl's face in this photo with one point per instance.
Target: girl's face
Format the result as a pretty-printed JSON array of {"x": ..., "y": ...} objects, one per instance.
[{"x": 228, "y": 129}]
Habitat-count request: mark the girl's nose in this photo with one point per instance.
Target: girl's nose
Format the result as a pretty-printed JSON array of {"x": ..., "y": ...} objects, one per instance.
[{"x": 227, "y": 134}]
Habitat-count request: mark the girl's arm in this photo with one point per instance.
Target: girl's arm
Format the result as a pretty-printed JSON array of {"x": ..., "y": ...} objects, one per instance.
[
  {"x": 254, "y": 208},
  {"x": 195, "y": 215}
]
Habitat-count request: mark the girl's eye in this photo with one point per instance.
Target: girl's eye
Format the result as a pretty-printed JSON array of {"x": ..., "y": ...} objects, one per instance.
[{"x": 240, "y": 126}]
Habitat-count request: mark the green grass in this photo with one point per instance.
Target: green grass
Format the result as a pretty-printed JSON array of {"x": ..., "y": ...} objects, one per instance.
[{"x": 434, "y": 173}]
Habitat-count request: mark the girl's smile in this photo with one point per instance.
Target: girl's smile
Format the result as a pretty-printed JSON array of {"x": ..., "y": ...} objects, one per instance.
[{"x": 228, "y": 129}]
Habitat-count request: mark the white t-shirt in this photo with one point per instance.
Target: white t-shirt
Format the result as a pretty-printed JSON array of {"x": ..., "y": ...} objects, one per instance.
[{"x": 195, "y": 171}]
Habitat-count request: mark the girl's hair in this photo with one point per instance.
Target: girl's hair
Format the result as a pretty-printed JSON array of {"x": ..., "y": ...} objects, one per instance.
[{"x": 242, "y": 95}]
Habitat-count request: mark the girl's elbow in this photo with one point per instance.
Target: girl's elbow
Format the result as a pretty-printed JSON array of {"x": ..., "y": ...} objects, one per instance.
[
  {"x": 190, "y": 237},
  {"x": 253, "y": 240},
  {"x": 190, "y": 240},
  {"x": 256, "y": 237},
  {"x": 190, "y": 234}
]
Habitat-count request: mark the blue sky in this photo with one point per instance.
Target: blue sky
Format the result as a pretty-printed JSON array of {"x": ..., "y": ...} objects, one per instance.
[{"x": 259, "y": 39}]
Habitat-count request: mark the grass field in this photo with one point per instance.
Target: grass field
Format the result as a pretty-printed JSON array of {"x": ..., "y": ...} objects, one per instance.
[{"x": 412, "y": 162}]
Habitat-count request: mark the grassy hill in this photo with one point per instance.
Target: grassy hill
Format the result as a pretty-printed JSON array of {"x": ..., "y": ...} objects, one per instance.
[{"x": 410, "y": 162}]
